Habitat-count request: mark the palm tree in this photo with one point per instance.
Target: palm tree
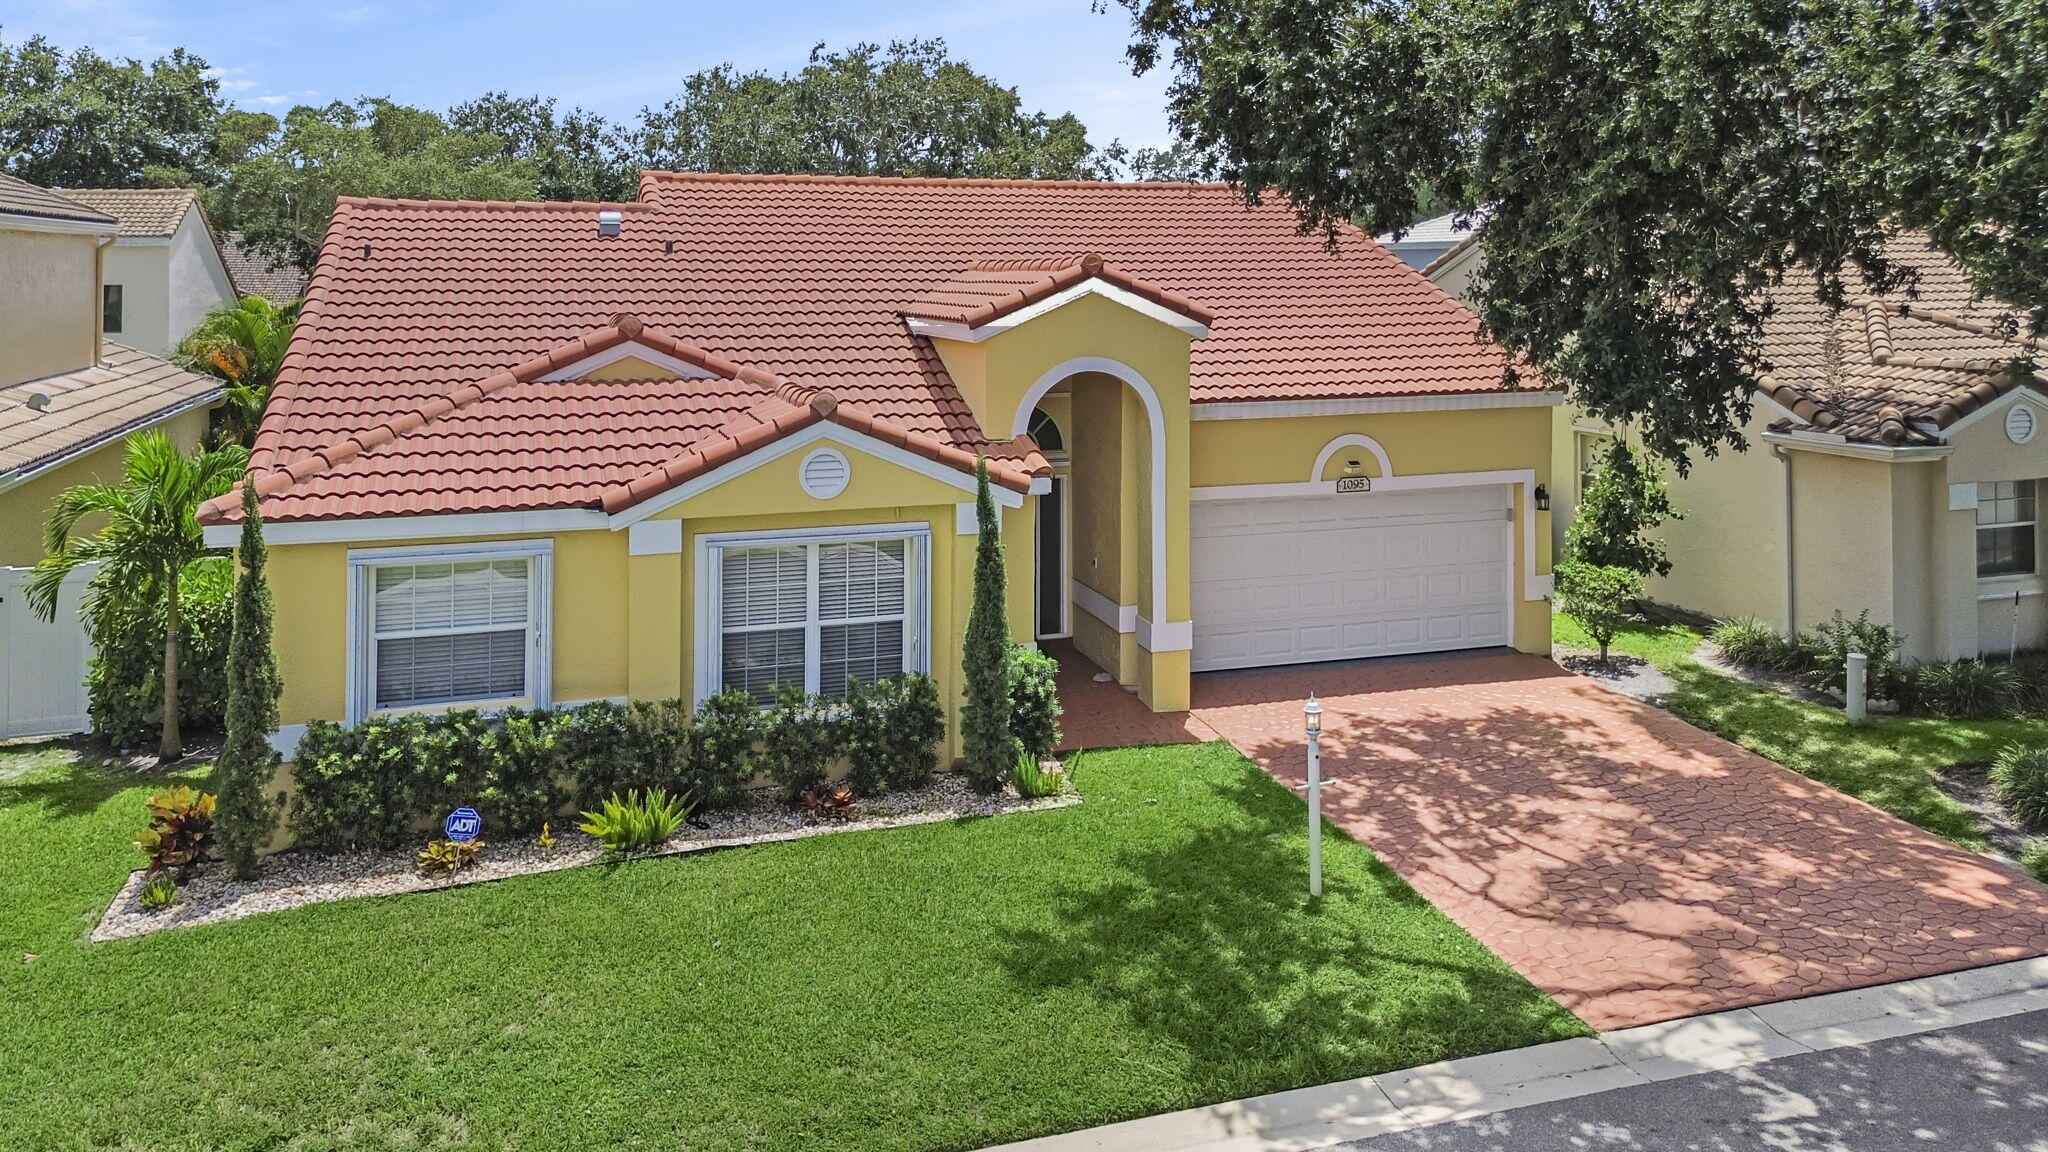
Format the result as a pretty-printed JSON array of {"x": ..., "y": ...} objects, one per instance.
[
  {"x": 244, "y": 344},
  {"x": 151, "y": 533}
]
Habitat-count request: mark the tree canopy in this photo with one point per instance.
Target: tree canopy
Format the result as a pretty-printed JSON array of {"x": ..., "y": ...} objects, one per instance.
[
  {"x": 907, "y": 109},
  {"x": 1642, "y": 169}
]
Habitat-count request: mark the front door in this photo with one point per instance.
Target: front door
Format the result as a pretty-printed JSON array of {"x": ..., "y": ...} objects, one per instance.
[{"x": 1052, "y": 561}]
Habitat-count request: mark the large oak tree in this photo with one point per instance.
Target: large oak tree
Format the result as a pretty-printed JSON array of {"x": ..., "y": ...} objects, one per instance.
[{"x": 1643, "y": 168}]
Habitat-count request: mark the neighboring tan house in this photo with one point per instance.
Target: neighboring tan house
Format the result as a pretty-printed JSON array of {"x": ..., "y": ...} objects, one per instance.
[
  {"x": 725, "y": 436},
  {"x": 255, "y": 274},
  {"x": 1422, "y": 242},
  {"x": 1895, "y": 445},
  {"x": 68, "y": 398},
  {"x": 164, "y": 272}
]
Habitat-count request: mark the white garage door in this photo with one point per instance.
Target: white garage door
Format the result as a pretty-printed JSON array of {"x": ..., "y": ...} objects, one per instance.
[{"x": 1295, "y": 579}]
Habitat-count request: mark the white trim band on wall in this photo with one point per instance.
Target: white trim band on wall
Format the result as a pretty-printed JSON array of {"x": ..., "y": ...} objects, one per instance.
[{"x": 1369, "y": 405}]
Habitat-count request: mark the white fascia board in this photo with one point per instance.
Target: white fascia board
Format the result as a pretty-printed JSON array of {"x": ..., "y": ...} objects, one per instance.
[
  {"x": 1369, "y": 405},
  {"x": 636, "y": 350},
  {"x": 45, "y": 224},
  {"x": 1831, "y": 445},
  {"x": 370, "y": 529},
  {"x": 1091, "y": 287},
  {"x": 823, "y": 431}
]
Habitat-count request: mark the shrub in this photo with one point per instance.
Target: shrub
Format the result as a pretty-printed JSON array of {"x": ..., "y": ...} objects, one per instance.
[
  {"x": 985, "y": 718},
  {"x": 831, "y": 802},
  {"x": 1960, "y": 688},
  {"x": 124, "y": 682},
  {"x": 1598, "y": 597},
  {"x": 519, "y": 786},
  {"x": 160, "y": 893},
  {"x": 247, "y": 814},
  {"x": 799, "y": 739},
  {"x": 891, "y": 732},
  {"x": 1839, "y": 636},
  {"x": 2019, "y": 777},
  {"x": 2030, "y": 682},
  {"x": 595, "y": 748},
  {"x": 1034, "y": 701},
  {"x": 2034, "y": 858},
  {"x": 1748, "y": 642},
  {"x": 450, "y": 856},
  {"x": 1618, "y": 514},
  {"x": 723, "y": 757},
  {"x": 1034, "y": 777},
  {"x": 180, "y": 832},
  {"x": 638, "y": 822}
]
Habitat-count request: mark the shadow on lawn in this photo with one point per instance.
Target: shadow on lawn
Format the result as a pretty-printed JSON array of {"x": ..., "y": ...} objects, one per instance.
[
  {"x": 1207, "y": 937},
  {"x": 67, "y": 779}
]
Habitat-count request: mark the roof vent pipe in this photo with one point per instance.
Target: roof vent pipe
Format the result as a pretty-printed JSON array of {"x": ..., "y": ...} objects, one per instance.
[
  {"x": 39, "y": 401},
  {"x": 608, "y": 221}
]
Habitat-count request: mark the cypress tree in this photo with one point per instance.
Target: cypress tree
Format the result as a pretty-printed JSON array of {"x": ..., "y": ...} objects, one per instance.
[
  {"x": 985, "y": 722},
  {"x": 245, "y": 816}
]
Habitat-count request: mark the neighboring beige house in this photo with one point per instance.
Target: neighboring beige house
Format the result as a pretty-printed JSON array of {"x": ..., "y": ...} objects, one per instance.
[
  {"x": 1895, "y": 463},
  {"x": 164, "y": 272},
  {"x": 68, "y": 398},
  {"x": 1421, "y": 243},
  {"x": 255, "y": 274}
]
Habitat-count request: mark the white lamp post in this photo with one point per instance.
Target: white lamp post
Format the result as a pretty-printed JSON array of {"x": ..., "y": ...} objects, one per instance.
[{"x": 1312, "y": 715}]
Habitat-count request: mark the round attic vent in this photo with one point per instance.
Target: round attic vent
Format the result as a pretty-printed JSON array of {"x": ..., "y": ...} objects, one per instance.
[
  {"x": 2021, "y": 423},
  {"x": 825, "y": 473}
]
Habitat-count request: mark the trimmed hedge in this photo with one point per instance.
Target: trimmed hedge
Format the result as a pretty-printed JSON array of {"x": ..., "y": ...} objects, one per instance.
[{"x": 375, "y": 785}]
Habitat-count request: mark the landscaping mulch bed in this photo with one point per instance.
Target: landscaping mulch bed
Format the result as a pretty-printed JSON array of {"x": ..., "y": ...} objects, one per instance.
[
  {"x": 1629, "y": 675},
  {"x": 294, "y": 879}
]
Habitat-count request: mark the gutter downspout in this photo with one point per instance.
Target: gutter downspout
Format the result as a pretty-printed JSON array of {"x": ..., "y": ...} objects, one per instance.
[
  {"x": 99, "y": 296},
  {"x": 1791, "y": 571}
]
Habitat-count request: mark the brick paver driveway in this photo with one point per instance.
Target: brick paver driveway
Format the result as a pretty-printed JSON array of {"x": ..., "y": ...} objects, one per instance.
[{"x": 1633, "y": 866}]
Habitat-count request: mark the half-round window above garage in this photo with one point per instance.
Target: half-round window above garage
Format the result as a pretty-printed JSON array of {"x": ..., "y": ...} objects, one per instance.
[{"x": 825, "y": 473}]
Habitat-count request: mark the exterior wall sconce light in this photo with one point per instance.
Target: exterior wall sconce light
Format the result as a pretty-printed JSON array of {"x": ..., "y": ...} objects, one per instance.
[{"x": 1542, "y": 498}]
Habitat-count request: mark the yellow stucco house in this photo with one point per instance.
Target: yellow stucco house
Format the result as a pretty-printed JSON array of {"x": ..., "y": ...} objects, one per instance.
[
  {"x": 543, "y": 453},
  {"x": 1893, "y": 467}
]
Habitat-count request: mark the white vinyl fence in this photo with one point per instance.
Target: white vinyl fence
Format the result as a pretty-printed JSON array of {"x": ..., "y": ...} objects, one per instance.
[{"x": 42, "y": 664}]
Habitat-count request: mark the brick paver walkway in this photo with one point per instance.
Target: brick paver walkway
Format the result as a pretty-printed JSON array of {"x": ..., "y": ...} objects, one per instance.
[{"x": 1633, "y": 866}]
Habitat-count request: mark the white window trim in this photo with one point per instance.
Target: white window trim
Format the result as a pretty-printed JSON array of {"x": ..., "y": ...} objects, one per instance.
[
  {"x": 710, "y": 631},
  {"x": 2008, "y": 579},
  {"x": 539, "y": 648}
]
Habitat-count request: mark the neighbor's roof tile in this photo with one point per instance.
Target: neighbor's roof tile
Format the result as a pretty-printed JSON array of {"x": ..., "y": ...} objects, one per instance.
[
  {"x": 125, "y": 392},
  {"x": 254, "y": 274},
  {"x": 21, "y": 198},
  {"x": 141, "y": 211}
]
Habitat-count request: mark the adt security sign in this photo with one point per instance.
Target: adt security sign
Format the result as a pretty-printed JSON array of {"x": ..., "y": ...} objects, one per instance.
[{"x": 463, "y": 824}]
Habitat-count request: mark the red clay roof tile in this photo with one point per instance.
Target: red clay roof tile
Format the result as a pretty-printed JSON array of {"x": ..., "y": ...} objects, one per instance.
[{"x": 430, "y": 316}]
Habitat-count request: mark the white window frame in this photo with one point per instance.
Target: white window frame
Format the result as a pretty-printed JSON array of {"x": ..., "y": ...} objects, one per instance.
[
  {"x": 1584, "y": 439},
  {"x": 710, "y": 630},
  {"x": 2033, "y": 572},
  {"x": 362, "y": 566}
]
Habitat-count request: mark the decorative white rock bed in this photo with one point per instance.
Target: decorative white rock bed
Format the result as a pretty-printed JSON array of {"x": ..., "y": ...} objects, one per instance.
[{"x": 295, "y": 879}]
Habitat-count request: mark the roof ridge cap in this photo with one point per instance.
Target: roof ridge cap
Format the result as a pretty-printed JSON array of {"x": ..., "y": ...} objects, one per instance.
[{"x": 669, "y": 176}]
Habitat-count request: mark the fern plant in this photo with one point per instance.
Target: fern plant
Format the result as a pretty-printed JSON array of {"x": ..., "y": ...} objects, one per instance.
[{"x": 637, "y": 822}]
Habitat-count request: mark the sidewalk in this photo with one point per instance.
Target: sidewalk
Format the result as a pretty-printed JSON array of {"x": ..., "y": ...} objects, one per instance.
[{"x": 1394, "y": 1102}]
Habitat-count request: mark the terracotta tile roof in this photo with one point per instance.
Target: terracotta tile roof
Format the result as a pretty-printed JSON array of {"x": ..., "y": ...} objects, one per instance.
[
  {"x": 21, "y": 198},
  {"x": 990, "y": 289},
  {"x": 254, "y": 274},
  {"x": 518, "y": 440},
  {"x": 141, "y": 211},
  {"x": 126, "y": 392},
  {"x": 1894, "y": 370},
  {"x": 804, "y": 278}
]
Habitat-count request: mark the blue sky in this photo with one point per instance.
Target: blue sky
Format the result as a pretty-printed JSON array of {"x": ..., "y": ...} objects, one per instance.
[{"x": 612, "y": 56}]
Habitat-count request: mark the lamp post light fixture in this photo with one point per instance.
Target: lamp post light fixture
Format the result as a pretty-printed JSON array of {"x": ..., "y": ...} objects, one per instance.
[{"x": 1312, "y": 718}]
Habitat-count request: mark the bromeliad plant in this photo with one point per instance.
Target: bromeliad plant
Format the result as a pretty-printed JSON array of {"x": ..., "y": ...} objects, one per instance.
[
  {"x": 637, "y": 822},
  {"x": 180, "y": 832},
  {"x": 160, "y": 893},
  {"x": 1033, "y": 777},
  {"x": 450, "y": 856},
  {"x": 831, "y": 802}
]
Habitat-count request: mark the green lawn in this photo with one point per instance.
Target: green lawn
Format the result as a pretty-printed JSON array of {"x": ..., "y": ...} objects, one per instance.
[
  {"x": 944, "y": 986},
  {"x": 1890, "y": 762}
]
